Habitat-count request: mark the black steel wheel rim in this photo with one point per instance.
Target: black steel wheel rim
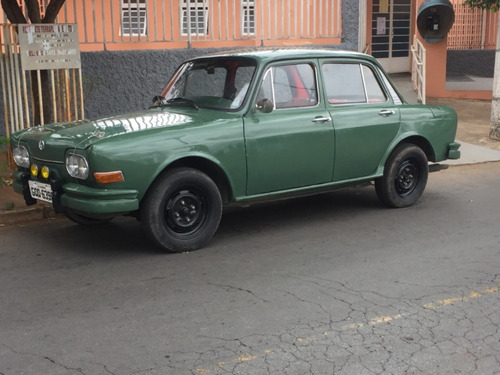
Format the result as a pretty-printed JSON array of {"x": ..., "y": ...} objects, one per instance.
[
  {"x": 407, "y": 177},
  {"x": 186, "y": 211}
]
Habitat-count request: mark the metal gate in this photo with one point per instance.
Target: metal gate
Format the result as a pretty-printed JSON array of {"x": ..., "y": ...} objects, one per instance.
[
  {"x": 23, "y": 94},
  {"x": 391, "y": 34}
]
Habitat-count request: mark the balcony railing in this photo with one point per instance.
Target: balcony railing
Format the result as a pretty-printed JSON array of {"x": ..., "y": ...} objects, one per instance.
[{"x": 146, "y": 24}]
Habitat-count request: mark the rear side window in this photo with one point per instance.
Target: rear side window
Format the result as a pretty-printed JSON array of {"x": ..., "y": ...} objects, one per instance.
[{"x": 351, "y": 83}]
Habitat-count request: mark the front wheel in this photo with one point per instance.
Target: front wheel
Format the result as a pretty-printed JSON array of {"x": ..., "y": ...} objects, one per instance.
[
  {"x": 405, "y": 177},
  {"x": 182, "y": 210}
]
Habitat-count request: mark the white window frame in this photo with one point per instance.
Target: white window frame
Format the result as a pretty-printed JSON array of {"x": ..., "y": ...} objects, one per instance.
[
  {"x": 133, "y": 9},
  {"x": 247, "y": 17},
  {"x": 197, "y": 9}
]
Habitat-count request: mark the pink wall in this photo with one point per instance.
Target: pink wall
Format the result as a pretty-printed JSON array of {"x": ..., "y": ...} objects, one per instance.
[{"x": 436, "y": 69}]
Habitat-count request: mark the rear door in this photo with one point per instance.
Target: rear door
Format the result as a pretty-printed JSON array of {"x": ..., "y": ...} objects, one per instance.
[{"x": 365, "y": 117}]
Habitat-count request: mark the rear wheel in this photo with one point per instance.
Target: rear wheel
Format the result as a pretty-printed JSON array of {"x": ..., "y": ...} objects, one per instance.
[
  {"x": 405, "y": 177},
  {"x": 182, "y": 210}
]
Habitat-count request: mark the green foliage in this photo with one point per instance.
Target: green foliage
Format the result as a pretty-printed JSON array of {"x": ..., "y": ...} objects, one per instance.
[{"x": 493, "y": 5}]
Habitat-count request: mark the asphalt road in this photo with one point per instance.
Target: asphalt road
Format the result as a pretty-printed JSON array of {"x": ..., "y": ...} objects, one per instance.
[{"x": 332, "y": 284}]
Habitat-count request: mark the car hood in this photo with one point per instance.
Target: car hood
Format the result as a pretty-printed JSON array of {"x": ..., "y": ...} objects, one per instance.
[
  {"x": 83, "y": 133},
  {"x": 86, "y": 132}
]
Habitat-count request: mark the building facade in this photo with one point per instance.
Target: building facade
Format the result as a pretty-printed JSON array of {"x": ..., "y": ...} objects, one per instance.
[{"x": 131, "y": 47}]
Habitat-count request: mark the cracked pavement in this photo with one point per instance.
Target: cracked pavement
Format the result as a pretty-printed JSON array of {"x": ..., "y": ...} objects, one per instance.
[{"x": 332, "y": 284}]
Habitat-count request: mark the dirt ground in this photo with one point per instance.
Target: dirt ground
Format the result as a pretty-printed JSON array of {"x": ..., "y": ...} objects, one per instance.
[
  {"x": 473, "y": 127},
  {"x": 473, "y": 121}
]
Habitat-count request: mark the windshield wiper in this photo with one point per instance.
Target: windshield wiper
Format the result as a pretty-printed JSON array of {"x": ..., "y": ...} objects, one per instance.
[{"x": 181, "y": 100}]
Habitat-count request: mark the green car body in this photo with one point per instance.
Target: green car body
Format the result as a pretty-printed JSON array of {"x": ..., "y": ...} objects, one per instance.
[{"x": 299, "y": 126}]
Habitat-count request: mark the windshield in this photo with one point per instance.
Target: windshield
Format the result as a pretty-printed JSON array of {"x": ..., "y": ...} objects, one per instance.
[{"x": 216, "y": 83}]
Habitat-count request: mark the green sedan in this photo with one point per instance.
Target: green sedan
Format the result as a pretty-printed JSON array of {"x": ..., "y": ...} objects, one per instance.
[{"x": 237, "y": 128}]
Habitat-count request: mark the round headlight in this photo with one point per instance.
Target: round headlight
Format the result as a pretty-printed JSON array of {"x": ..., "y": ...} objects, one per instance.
[
  {"x": 77, "y": 166},
  {"x": 21, "y": 156}
]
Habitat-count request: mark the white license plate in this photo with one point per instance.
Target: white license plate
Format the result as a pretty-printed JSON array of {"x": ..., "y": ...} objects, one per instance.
[{"x": 39, "y": 190}]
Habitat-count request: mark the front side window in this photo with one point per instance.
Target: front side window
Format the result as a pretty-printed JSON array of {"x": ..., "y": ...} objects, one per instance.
[
  {"x": 348, "y": 83},
  {"x": 216, "y": 83},
  {"x": 194, "y": 17},
  {"x": 133, "y": 17},
  {"x": 289, "y": 86}
]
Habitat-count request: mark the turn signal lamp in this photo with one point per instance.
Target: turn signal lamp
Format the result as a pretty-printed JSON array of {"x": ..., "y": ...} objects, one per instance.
[
  {"x": 45, "y": 172},
  {"x": 34, "y": 170},
  {"x": 108, "y": 177}
]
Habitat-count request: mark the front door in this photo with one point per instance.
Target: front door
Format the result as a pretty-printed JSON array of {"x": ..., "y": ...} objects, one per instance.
[
  {"x": 391, "y": 34},
  {"x": 292, "y": 146}
]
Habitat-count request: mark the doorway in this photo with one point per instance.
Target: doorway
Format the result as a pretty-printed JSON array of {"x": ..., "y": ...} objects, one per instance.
[{"x": 390, "y": 41}]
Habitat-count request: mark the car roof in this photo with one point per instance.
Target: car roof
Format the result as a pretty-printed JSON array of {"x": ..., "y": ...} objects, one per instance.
[{"x": 276, "y": 54}]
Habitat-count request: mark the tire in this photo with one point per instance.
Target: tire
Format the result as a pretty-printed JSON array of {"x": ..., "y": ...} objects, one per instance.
[
  {"x": 405, "y": 176},
  {"x": 84, "y": 220},
  {"x": 182, "y": 210}
]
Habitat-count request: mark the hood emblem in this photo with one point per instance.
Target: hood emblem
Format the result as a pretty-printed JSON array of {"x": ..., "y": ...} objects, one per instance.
[{"x": 41, "y": 145}]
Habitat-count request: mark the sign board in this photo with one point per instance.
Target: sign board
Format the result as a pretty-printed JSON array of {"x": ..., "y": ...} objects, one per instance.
[
  {"x": 49, "y": 46},
  {"x": 383, "y": 6}
]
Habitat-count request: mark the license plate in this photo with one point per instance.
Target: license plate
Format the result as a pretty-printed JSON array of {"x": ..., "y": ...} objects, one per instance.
[{"x": 39, "y": 190}]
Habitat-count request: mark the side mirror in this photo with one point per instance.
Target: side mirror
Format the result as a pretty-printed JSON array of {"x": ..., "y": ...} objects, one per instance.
[
  {"x": 265, "y": 105},
  {"x": 157, "y": 100}
]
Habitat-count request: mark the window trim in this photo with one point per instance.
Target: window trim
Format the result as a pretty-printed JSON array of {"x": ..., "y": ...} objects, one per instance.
[
  {"x": 194, "y": 6},
  {"x": 134, "y": 8},
  {"x": 248, "y": 19},
  {"x": 381, "y": 79},
  {"x": 270, "y": 70}
]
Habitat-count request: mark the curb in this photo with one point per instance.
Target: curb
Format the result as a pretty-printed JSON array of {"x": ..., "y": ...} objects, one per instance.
[{"x": 26, "y": 214}]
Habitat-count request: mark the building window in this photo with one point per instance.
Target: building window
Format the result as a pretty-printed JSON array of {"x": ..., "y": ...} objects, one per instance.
[
  {"x": 134, "y": 16},
  {"x": 194, "y": 17},
  {"x": 248, "y": 17}
]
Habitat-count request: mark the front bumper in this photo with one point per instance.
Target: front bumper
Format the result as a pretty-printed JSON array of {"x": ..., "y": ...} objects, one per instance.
[{"x": 79, "y": 198}]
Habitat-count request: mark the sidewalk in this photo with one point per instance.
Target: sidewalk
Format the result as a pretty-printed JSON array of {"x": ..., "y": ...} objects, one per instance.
[{"x": 473, "y": 124}]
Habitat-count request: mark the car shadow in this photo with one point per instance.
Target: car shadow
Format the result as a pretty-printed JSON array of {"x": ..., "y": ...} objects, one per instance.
[
  {"x": 310, "y": 210},
  {"x": 123, "y": 236}
]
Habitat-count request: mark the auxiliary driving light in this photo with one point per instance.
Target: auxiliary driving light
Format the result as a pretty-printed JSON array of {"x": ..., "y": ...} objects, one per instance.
[
  {"x": 34, "y": 170},
  {"x": 45, "y": 172}
]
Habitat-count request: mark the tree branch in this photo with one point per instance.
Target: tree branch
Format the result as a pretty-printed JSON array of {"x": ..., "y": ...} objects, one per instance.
[
  {"x": 52, "y": 10},
  {"x": 33, "y": 10},
  {"x": 13, "y": 11}
]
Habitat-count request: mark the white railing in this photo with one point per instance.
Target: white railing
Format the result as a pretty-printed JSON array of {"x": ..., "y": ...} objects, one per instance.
[{"x": 418, "y": 69}]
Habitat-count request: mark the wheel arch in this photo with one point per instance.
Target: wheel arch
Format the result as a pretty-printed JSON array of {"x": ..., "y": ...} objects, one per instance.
[
  {"x": 209, "y": 167},
  {"x": 416, "y": 140}
]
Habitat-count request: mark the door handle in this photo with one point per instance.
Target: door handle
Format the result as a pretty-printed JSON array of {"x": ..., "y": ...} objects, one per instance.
[
  {"x": 387, "y": 112},
  {"x": 322, "y": 119}
]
